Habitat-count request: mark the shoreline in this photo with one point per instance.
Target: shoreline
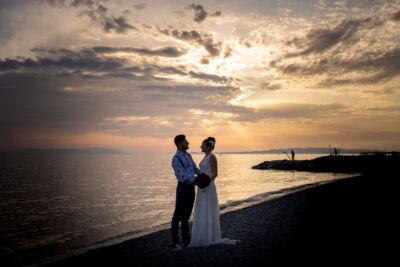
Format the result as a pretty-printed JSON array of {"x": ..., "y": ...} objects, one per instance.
[
  {"x": 224, "y": 208},
  {"x": 151, "y": 248}
]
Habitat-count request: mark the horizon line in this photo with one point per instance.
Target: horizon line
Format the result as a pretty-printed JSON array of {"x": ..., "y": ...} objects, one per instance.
[{"x": 266, "y": 151}]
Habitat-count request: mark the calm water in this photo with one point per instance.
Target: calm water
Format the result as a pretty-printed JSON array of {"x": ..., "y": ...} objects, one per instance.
[{"x": 53, "y": 203}]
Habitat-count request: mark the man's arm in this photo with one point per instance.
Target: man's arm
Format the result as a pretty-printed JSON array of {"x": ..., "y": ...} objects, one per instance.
[{"x": 195, "y": 169}]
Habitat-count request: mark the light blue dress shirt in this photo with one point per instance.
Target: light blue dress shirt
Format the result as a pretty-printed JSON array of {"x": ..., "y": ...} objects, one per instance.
[{"x": 184, "y": 167}]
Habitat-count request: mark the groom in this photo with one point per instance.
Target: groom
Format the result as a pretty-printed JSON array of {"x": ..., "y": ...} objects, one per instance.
[{"x": 185, "y": 171}]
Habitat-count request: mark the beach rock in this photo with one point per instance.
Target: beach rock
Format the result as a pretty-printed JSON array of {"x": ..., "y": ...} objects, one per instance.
[
  {"x": 346, "y": 164},
  {"x": 284, "y": 165}
]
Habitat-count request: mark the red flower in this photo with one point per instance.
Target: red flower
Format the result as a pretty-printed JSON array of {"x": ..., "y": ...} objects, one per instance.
[{"x": 202, "y": 180}]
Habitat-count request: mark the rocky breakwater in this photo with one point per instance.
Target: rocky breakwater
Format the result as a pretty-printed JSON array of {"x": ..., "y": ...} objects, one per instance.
[{"x": 348, "y": 164}]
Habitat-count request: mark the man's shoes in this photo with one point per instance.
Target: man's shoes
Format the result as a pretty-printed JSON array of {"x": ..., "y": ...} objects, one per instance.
[
  {"x": 185, "y": 243},
  {"x": 176, "y": 247}
]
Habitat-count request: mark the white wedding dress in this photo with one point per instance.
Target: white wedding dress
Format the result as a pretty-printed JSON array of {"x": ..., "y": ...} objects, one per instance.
[{"x": 206, "y": 229}]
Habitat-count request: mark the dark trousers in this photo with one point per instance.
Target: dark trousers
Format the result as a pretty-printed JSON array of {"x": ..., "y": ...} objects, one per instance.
[{"x": 185, "y": 195}]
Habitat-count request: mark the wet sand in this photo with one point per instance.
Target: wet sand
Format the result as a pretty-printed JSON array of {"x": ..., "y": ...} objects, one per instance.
[{"x": 341, "y": 223}]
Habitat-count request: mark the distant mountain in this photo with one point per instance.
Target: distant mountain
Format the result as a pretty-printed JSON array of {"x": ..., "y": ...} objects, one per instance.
[
  {"x": 90, "y": 150},
  {"x": 309, "y": 150}
]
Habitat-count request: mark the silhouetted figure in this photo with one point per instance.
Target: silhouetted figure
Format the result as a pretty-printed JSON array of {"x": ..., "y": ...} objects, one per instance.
[
  {"x": 293, "y": 154},
  {"x": 335, "y": 151}
]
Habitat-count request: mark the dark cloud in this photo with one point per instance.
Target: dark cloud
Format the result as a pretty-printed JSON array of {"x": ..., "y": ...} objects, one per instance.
[
  {"x": 86, "y": 64},
  {"x": 307, "y": 68},
  {"x": 97, "y": 12},
  {"x": 216, "y": 14},
  {"x": 228, "y": 52},
  {"x": 376, "y": 66},
  {"x": 73, "y": 92},
  {"x": 73, "y": 3},
  {"x": 200, "y": 14},
  {"x": 147, "y": 26},
  {"x": 38, "y": 102},
  {"x": 140, "y": 6},
  {"x": 213, "y": 48},
  {"x": 168, "y": 69},
  {"x": 109, "y": 23},
  {"x": 370, "y": 67},
  {"x": 270, "y": 87},
  {"x": 119, "y": 25},
  {"x": 32, "y": 102},
  {"x": 165, "y": 52},
  {"x": 320, "y": 40},
  {"x": 87, "y": 3},
  {"x": 194, "y": 37},
  {"x": 82, "y": 62},
  {"x": 396, "y": 16},
  {"x": 91, "y": 64},
  {"x": 210, "y": 77},
  {"x": 55, "y": 3},
  {"x": 204, "y": 61},
  {"x": 35, "y": 99},
  {"x": 383, "y": 91},
  {"x": 391, "y": 108},
  {"x": 98, "y": 50}
]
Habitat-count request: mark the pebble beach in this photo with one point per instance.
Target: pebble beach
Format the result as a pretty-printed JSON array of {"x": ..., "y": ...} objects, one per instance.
[{"x": 340, "y": 223}]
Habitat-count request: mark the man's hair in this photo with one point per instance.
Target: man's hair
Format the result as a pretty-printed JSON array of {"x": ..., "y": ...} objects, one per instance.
[{"x": 178, "y": 139}]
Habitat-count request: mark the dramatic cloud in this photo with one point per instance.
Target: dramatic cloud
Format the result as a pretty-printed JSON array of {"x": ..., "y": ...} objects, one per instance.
[
  {"x": 119, "y": 25},
  {"x": 194, "y": 37},
  {"x": 396, "y": 16},
  {"x": 72, "y": 104},
  {"x": 271, "y": 87},
  {"x": 140, "y": 6},
  {"x": 89, "y": 63},
  {"x": 372, "y": 68},
  {"x": 98, "y": 13},
  {"x": 164, "y": 52},
  {"x": 201, "y": 14},
  {"x": 211, "y": 77},
  {"x": 99, "y": 70},
  {"x": 108, "y": 22},
  {"x": 321, "y": 39},
  {"x": 87, "y": 3},
  {"x": 91, "y": 52},
  {"x": 73, "y": 3},
  {"x": 55, "y": 3},
  {"x": 76, "y": 62}
]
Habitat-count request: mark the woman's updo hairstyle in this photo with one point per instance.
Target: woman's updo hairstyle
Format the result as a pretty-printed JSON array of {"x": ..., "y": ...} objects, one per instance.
[{"x": 210, "y": 142}]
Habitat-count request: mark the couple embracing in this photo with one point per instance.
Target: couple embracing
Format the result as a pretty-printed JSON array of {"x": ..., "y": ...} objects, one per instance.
[{"x": 206, "y": 229}]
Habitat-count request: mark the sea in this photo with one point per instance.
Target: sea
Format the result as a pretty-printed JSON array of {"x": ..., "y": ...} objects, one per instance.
[{"x": 55, "y": 205}]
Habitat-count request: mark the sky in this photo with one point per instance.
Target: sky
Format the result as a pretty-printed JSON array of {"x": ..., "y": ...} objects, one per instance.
[{"x": 256, "y": 75}]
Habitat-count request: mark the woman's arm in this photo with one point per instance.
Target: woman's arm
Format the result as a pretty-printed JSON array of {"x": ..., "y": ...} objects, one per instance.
[{"x": 214, "y": 167}]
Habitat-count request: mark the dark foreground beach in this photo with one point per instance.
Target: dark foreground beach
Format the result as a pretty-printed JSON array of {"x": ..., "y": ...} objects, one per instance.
[{"x": 341, "y": 223}]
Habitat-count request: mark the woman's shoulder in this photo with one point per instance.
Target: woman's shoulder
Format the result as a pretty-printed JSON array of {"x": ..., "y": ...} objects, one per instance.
[{"x": 212, "y": 156}]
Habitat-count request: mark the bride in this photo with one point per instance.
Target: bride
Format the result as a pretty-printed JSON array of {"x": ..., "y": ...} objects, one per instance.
[{"x": 206, "y": 229}]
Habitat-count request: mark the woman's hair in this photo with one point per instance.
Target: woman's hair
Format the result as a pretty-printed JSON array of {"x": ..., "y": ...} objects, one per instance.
[{"x": 210, "y": 142}]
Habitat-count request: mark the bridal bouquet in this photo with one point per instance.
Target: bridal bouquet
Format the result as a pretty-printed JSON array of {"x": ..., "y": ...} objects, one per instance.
[{"x": 202, "y": 180}]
